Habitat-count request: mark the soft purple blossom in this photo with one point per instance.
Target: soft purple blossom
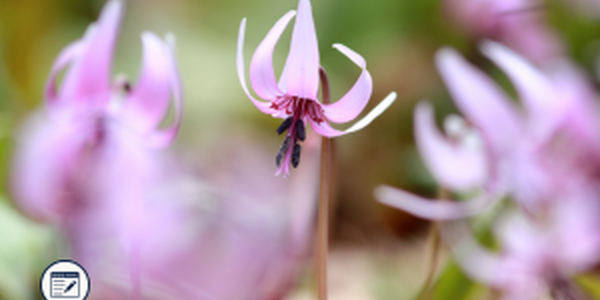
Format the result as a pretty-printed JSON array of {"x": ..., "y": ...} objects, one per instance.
[
  {"x": 90, "y": 118},
  {"x": 295, "y": 97},
  {"x": 506, "y": 151},
  {"x": 90, "y": 162},
  {"x": 545, "y": 156}
]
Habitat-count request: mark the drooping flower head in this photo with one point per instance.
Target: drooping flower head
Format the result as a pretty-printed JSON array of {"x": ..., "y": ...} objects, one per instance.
[
  {"x": 295, "y": 97},
  {"x": 92, "y": 120}
]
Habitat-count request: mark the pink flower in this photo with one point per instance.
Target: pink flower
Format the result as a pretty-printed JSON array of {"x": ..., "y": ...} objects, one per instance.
[
  {"x": 295, "y": 98},
  {"x": 90, "y": 122},
  {"x": 506, "y": 151}
]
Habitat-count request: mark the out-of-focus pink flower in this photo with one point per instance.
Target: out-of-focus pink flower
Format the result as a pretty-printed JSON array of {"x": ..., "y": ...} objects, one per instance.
[
  {"x": 517, "y": 23},
  {"x": 295, "y": 98},
  {"x": 90, "y": 161},
  {"x": 537, "y": 255},
  {"x": 89, "y": 120},
  {"x": 525, "y": 154}
]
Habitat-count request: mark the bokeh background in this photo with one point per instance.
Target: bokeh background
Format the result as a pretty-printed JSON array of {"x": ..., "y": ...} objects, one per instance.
[{"x": 376, "y": 252}]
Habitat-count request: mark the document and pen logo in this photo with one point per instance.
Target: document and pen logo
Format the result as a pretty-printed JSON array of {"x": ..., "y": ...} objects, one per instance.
[{"x": 65, "y": 279}]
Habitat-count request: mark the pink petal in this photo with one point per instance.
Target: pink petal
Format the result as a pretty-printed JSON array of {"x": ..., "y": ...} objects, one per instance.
[
  {"x": 433, "y": 209},
  {"x": 480, "y": 100},
  {"x": 164, "y": 136},
  {"x": 261, "y": 67},
  {"x": 262, "y": 106},
  {"x": 355, "y": 100},
  {"x": 147, "y": 103},
  {"x": 65, "y": 57},
  {"x": 455, "y": 167},
  {"x": 326, "y": 130},
  {"x": 89, "y": 80},
  {"x": 535, "y": 88},
  {"x": 302, "y": 66}
]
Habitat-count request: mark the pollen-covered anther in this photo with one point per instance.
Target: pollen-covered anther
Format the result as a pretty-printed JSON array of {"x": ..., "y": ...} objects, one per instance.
[
  {"x": 300, "y": 130},
  {"x": 296, "y": 155},
  {"x": 282, "y": 150},
  {"x": 285, "y": 125}
]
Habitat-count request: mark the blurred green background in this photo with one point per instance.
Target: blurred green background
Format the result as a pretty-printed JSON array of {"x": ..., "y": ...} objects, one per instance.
[{"x": 377, "y": 252}]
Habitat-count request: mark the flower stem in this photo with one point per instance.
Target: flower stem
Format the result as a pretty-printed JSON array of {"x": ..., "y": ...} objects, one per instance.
[
  {"x": 435, "y": 240},
  {"x": 323, "y": 213}
]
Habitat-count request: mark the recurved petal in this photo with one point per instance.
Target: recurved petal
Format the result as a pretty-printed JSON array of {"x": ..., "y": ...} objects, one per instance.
[
  {"x": 89, "y": 80},
  {"x": 262, "y": 75},
  {"x": 535, "y": 88},
  {"x": 164, "y": 136},
  {"x": 326, "y": 130},
  {"x": 262, "y": 106},
  {"x": 147, "y": 104},
  {"x": 69, "y": 54},
  {"x": 453, "y": 165},
  {"x": 433, "y": 209},
  {"x": 355, "y": 100},
  {"x": 483, "y": 103},
  {"x": 302, "y": 66}
]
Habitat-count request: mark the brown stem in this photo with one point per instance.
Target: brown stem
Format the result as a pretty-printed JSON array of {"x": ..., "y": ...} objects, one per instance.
[
  {"x": 435, "y": 241},
  {"x": 323, "y": 213}
]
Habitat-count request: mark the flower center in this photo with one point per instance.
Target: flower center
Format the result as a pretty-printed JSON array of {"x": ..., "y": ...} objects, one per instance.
[{"x": 298, "y": 111}]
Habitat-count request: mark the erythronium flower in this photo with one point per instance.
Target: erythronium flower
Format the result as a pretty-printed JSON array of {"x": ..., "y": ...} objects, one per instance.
[
  {"x": 90, "y": 119},
  {"x": 295, "y": 98},
  {"x": 520, "y": 154}
]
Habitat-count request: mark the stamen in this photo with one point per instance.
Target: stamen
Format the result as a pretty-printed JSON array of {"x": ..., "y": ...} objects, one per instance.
[
  {"x": 285, "y": 125},
  {"x": 282, "y": 150},
  {"x": 296, "y": 155},
  {"x": 300, "y": 130}
]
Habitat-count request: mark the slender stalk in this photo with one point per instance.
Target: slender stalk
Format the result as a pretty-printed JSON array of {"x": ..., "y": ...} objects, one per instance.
[
  {"x": 323, "y": 210},
  {"x": 435, "y": 240}
]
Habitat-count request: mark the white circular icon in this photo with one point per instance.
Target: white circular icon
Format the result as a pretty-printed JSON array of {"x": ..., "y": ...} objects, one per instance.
[{"x": 65, "y": 279}]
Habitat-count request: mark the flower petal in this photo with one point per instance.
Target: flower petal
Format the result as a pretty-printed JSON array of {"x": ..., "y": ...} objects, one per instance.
[
  {"x": 326, "y": 130},
  {"x": 164, "y": 136},
  {"x": 89, "y": 80},
  {"x": 262, "y": 106},
  {"x": 483, "y": 103},
  {"x": 262, "y": 76},
  {"x": 536, "y": 90},
  {"x": 69, "y": 54},
  {"x": 148, "y": 101},
  {"x": 455, "y": 167},
  {"x": 433, "y": 209},
  {"x": 302, "y": 66},
  {"x": 355, "y": 100}
]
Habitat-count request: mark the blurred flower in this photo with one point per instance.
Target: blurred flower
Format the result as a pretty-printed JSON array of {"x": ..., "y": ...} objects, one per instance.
[
  {"x": 546, "y": 158},
  {"x": 527, "y": 158},
  {"x": 294, "y": 98},
  {"x": 90, "y": 163},
  {"x": 89, "y": 118},
  {"x": 537, "y": 255},
  {"x": 517, "y": 23}
]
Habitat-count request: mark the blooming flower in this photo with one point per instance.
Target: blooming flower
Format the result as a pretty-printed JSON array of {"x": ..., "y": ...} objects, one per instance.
[
  {"x": 527, "y": 158},
  {"x": 90, "y": 118},
  {"x": 544, "y": 157},
  {"x": 294, "y": 98}
]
